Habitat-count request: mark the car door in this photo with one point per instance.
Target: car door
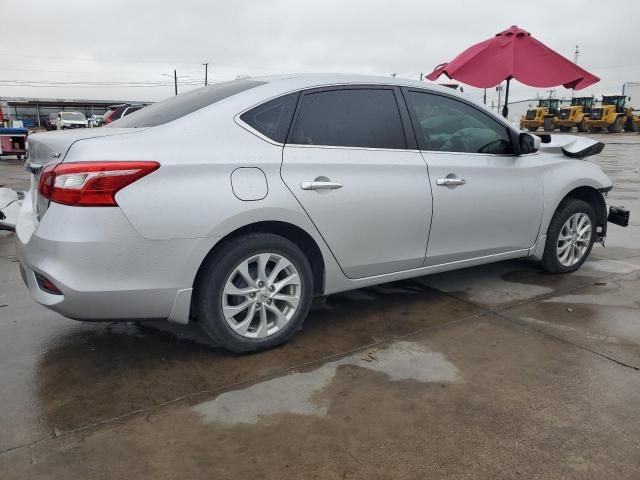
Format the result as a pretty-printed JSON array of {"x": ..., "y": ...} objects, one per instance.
[
  {"x": 357, "y": 173},
  {"x": 486, "y": 199}
]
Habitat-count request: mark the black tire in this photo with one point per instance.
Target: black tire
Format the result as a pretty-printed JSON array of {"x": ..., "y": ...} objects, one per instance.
[
  {"x": 595, "y": 129},
  {"x": 568, "y": 207},
  {"x": 548, "y": 125},
  {"x": 532, "y": 129},
  {"x": 631, "y": 126},
  {"x": 565, "y": 128},
  {"x": 214, "y": 274},
  {"x": 582, "y": 127},
  {"x": 618, "y": 125}
]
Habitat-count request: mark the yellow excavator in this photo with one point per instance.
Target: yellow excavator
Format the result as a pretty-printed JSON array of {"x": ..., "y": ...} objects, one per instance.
[
  {"x": 612, "y": 114},
  {"x": 541, "y": 116},
  {"x": 574, "y": 115}
]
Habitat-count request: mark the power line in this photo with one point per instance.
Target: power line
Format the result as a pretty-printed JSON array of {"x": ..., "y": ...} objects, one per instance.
[{"x": 101, "y": 60}]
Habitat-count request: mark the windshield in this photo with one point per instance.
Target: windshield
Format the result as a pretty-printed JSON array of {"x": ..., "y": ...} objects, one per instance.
[
  {"x": 73, "y": 116},
  {"x": 184, "y": 104}
]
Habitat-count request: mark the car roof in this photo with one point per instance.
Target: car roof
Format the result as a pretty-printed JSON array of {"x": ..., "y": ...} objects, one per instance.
[{"x": 310, "y": 80}]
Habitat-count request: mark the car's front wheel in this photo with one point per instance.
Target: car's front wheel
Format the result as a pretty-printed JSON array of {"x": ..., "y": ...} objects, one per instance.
[
  {"x": 570, "y": 236},
  {"x": 254, "y": 293}
]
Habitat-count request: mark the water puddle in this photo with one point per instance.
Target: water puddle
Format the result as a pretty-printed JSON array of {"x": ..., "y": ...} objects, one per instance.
[{"x": 295, "y": 393}]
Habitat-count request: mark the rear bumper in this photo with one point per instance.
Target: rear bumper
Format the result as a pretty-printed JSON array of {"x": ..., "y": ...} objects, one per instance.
[{"x": 104, "y": 269}]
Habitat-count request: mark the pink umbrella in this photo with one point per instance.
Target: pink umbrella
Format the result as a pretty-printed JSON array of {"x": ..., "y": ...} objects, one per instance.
[{"x": 514, "y": 53}]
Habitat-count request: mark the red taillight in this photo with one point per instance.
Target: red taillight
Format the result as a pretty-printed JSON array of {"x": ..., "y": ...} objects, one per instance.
[{"x": 90, "y": 184}]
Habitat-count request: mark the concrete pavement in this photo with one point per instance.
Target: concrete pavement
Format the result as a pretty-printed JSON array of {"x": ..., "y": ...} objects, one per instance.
[{"x": 499, "y": 371}]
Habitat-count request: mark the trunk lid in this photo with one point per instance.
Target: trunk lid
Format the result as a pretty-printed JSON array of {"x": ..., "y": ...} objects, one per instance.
[{"x": 52, "y": 147}]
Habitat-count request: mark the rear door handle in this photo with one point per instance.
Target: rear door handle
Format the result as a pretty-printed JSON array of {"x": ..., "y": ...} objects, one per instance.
[
  {"x": 450, "y": 182},
  {"x": 320, "y": 185}
]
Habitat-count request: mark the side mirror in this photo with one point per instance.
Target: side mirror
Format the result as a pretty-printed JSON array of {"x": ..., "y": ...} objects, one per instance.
[{"x": 529, "y": 143}]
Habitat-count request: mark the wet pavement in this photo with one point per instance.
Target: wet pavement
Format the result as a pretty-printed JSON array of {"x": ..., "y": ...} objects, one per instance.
[{"x": 500, "y": 371}]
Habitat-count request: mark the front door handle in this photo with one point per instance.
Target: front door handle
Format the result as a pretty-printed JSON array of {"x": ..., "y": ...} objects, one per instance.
[
  {"x": 320, "y": 185},
  {"x": 450, "y": 182}
]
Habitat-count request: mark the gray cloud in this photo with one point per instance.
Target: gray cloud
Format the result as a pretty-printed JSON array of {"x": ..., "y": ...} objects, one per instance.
[{"x": 138, "y": 41}]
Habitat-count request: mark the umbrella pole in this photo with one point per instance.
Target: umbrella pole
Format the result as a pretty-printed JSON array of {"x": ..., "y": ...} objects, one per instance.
[{"x": 505, "y": 109}]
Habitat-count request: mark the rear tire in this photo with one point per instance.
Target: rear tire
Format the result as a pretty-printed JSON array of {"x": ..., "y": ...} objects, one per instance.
[
  {"x": 532, "y": 129},
  {"x": 548, "y": 124},
  {"x": 631, "y": 126},
  {"x": 565, "y": 128},
  {"x": 582, "y": 127},
  {"x": 273, "y": 313},
  {"x": 566, "y": 249},
  {"x": 595, "y": 129}
]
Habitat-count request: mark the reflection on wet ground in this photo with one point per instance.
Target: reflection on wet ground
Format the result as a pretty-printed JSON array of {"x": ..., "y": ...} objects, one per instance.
[{"x": 500, "y": 371}]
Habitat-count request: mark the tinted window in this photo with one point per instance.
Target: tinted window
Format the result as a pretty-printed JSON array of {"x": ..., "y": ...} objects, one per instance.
[
  {"x": 273, "y": 118},
  {"x": 449, "y": 125},
  {"x": 130, "y": 110},
  {"x": 350, "y": 118},
  {"x": 184, "y": 104}
]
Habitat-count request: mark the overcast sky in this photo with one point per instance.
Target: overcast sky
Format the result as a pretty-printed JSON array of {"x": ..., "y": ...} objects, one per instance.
[{"x": 129, "y": 44}]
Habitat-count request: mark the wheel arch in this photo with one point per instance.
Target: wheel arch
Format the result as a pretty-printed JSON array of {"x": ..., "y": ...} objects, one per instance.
[
  {"x": 593, "y": 197},
  {"x": 286, "y": 230}
]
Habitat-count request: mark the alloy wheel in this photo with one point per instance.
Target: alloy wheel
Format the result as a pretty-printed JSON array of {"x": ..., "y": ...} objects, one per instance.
[
  {"x": 574, "y": 239},
  {"x": 261, "y": 295}
]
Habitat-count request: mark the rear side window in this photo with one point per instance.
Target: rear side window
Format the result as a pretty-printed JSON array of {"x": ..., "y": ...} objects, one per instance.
[
  {"x": 273, "y": 118},
  {"x": 184, "y": 104},
  {"x": 359, "y": 117}
]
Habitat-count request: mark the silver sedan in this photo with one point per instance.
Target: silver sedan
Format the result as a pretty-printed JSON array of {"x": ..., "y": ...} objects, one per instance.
[{"x": 235, "y": 204}]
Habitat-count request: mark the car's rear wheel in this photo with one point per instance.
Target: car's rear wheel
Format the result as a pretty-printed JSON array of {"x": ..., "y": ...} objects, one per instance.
[
  {"x": 254, "y": 293},
  {"x": 570, "y": 236}
]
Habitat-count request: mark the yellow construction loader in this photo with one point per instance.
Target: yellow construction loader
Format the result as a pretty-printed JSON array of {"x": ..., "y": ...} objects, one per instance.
[
  {"x": 541, "y": 116},
  {"x": 613, "y": 115},
  {"x": 574, "y": 115}
]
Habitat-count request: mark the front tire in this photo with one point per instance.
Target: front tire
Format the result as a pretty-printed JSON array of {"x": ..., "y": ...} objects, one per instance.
[
  {"x": 618, "y": 125},
  {"x": 565, "y": 128},
  {"x": 570, "y": 236},
  {"x": 254, "y": 293},
  {"x": 549, "y": 125}
]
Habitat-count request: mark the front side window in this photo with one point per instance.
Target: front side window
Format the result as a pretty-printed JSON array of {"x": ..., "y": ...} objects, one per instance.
[
  {"x": 358, "y": 117},
  {"x": 273, "y": 118},
  {"x": 448, "y": 125}
]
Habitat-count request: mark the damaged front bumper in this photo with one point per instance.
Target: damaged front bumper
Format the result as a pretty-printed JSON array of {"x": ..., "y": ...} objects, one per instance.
[{"x": 618, "y": 216}]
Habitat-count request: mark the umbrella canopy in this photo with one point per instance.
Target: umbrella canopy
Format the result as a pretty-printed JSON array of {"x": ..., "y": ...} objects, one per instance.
[{"x": 514, "y": 53}]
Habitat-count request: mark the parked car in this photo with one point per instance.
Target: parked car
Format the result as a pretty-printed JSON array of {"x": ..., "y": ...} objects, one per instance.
[
  {"x": 116, "y": 112},
  {"x": 95, "y": 121},
  {"x": 65, "y": 120},
  {"x": 235, "y": 204},
  {"x": 50, "y": 121}
]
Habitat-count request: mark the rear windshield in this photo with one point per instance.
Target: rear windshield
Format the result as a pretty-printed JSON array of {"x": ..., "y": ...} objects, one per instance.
[
  {"x": 73, "y": 116},
  {"x": 184, "y": 104}
]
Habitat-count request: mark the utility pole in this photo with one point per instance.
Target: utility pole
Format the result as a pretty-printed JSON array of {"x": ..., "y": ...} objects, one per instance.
[
  {"x": 421, "y": 76},
  {"x": 206, "y": 68},
  {"x": 485, "y": 96},
  {"x": 499, "y": 90},
  {"x": 175, "y": 81},
  {"x": 576, "y": 54}
]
